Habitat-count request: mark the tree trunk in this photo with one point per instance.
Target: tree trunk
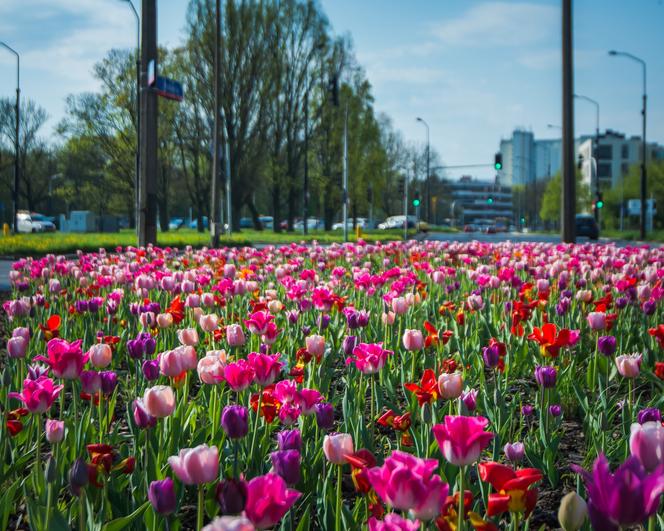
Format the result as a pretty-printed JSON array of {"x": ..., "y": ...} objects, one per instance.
[{"x": 276, "y": 208}]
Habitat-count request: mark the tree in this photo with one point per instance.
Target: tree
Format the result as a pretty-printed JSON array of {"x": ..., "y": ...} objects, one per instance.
[{"x": 551, "y": 201}]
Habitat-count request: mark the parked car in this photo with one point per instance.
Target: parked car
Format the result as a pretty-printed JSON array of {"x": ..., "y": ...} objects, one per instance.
[
  {"x": 25, "y": 223},
  {"x": 47, "y": 222},
  {"x": 312, "y": 224},
  {"x": 267, "y": 222},
  {"x": 397, "y": 222},
  {"x": 586, "y": 226},
  {"x": 361, "y": 222},
  {"x": 175, "y": 223},
  {"x": 246, "y": 223},
  {"x": 193, "y": 224}
]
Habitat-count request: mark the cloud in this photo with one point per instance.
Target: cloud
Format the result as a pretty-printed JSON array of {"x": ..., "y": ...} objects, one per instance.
[{"x": 509, "y": 24}]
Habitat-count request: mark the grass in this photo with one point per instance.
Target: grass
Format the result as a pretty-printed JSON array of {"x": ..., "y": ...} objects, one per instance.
[{"x": 57, "y": 242}]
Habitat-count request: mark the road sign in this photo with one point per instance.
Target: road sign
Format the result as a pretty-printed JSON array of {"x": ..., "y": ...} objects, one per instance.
[
  {"x": 151, "y": 73},
  {"x": 634, "y": 207},
  {"x": 169, "y": 88}
]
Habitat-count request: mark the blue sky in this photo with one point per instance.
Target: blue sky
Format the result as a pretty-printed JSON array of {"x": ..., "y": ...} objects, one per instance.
[{"x": 474, "y": 69}]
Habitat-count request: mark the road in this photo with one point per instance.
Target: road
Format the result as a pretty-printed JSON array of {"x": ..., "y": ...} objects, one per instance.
[{"x": 5, "y": 265}]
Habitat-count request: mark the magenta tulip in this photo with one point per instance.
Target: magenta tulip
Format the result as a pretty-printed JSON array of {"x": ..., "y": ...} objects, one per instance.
[
  {"x": 38, "y": 395},
  {"x": 461, "y": 439},
  {"x": 646, "y": 442},
  {"x": 268, "y": 500}
]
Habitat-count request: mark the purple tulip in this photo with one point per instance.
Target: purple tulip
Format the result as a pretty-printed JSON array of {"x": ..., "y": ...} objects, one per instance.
[
  {"x": 606, "y": 345},
  {"x": 90, "y": 382},
  {"x": 527, "y": 410},
  {"x": 292, "y": 316},
  {"x": 469, "y": 399},
  {"x": 545, "y": 376},
  {"x": 514, "y": 452},
  {"x": 231, "y": 495},
  {"x": 324, "y": 415},
  {"x": 625, "y": 498},
  {"x": 162, "y": 496},
  {"x": 323, "y": 321},
  {"x": 109, "y": 381},
  {"x": 286, "y": 463},
  {"x": 150, "y": 369},
  {"x": 289, "y": 440},
  {"x": 649, "y": 414},
  {"x": 621, "y": 302},
  {"x": 555, "y": 410},
  {"x": 142, "y": 418},
  {"x": 649, "y": 307},
  {"x": 491, "y": 356},
  {"x": 78, "y": 476},
  {"x": 349, "y": 343},
  {"x": 135, "y": 349},
  {"x": 235, "y": 421}
]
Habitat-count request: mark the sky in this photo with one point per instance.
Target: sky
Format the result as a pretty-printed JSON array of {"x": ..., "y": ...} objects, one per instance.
[{"x": 473, "y": 69}]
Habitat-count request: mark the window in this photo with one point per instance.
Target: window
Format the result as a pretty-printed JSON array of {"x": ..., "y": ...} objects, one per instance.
[
  {"x": 604, "y": 169},
  {"x": 604, "y": 152},
  {"x": 625, "y": 151},
  {"x": 624, "y": 168}
]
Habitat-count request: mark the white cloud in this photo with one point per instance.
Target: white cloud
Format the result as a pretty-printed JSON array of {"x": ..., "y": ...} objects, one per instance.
[{"x": 500, "y": 24}]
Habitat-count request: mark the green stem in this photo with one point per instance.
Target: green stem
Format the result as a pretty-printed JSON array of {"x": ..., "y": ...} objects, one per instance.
[
  {"x": 81, "y": 511},
  {"x": 199, "y": 517},
  {"x": 258, "y": 415},
  {"x": 49, "y": 503},
  {"x": 337, "y": 516},
  {"x": 462, "y": 471}
]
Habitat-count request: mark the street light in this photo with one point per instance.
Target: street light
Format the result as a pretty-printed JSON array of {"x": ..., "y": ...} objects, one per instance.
[
  {"x": 16, "y": 132},
  {"x": 594, "y": 151},
  {"x": 428, "y": 181},
  {"x": 614, "y": 53},
  {"x": 138, "y": 107}
]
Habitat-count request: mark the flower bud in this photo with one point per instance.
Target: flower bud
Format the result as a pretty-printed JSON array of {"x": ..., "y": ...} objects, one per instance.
[
  {"x": 78, "y": 476},
  {"x": 572, "y": 512},
  {"x": 235, "y": 421},
  {"x": 50, "y": 470},
  {"x": 231, "y": 495}
]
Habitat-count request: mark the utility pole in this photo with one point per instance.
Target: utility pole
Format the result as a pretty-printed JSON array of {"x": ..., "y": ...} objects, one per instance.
[
  {"x": 305, "y": 188},
  {"x": 17, "y": 143},
  {"x": 214, "y": 207},
  {"x": 345, "y": 176},
  {"x": 229, "y": 212},
  {"x": 568, "y": 206},
  {"x": 427, "y": 210},
  {"x": 147, "y": 230},
  {"x": 405, "y": 206}
]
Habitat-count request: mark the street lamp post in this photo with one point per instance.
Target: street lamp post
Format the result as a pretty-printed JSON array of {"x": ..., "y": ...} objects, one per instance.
[
  {"x": 138, "y": 108},
  {"x": 17, "y": 142},
  {"x": 594, "y": 151},
  {"x": 428, "y": 180},
  {"x": 614, "y": 53}
]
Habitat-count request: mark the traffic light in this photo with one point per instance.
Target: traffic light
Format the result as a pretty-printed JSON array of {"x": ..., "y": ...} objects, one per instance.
[
  {"x": 416, "y": 199},
  {"x": 498, "y": 161},
  {"x": 523, "y": 220},
  {"x": 401, "y": 186},
  {"x": 489, "y": 200},
  {"x": 599, "y": 203}
]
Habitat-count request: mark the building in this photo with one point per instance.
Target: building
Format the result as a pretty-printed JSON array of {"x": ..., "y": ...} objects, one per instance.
[
  {"x": 614, "y": 155},
  {"x": 475, "y": 201}
]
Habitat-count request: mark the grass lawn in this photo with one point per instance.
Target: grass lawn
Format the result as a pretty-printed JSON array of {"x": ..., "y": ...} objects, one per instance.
[{"x": 57, "y": 242}]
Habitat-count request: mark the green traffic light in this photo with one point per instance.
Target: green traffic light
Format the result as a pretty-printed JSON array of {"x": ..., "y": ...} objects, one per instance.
[
  {"x": 416, "y": 202},
  {"x": 600, "y": 204},
  {"x": 523, "y": 220},
  {"x": 490, "y": 200},
  {"x": 498, "y": 166}
]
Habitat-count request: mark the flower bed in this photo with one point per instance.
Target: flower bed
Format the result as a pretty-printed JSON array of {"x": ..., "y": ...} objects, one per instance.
[{"x": 339, "y": 387}]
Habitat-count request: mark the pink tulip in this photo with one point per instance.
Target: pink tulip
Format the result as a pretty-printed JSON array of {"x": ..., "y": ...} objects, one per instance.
[
  {"x": 207, "y": 300},
  {"x": 268, "y": 500},
  {"x": 399, "y": 305},
  {"x": 286, "y": 391},
  {"x": 289, "y": 413},
  {"x": 164, "y": 320},
  {"x": 369, "y": 358},
  {"x": 147, "y": 320},
  {"x": 235, "y": 335},
  {"x": 410, "y": 484},
  {"x": 195, "y": 466},
  {"x": 461, "y": 439},
  {"x": 38, "y": 395},
  {"x": 100, "y": 355},
  {"x": 209, "y": 322},
  {"x": 271, "y": 334},
  {"x": 193, "y": 300},
  {"x": 55, "y": 431},
  {"x": 475, "y": 302},
  {"x": 174, "y": 362},
  {"x": 257, "y": 323},
  {"x": 597, "y": 320},
  {"x": 211, "y": 368},
  {"x": 450, "y": 385},
  {"x": 17, "y": 347},
  {"x": 413, "y": 340},
  {"x": 230, "y": 523},
  {"x": 188, "y": 337},
  {"x": 308, "y": 399},
  {"x": 159, "y": 401},
  {"x": 646, "y": 442},
  {"x": 315, "y": 346},
  {"x": 239, "y": 375},
  {"x": 388, "y": 318},
  {"x": 266, "y": 367},
  {"x": 629, "y": 365},
  {"x": 229, "y": 270},
  {"x": 337, "y": 446},
  {"x": 22, "y": 331},
  {"x": 65, "y": 359},
  {"x": 393, "y": 522}
]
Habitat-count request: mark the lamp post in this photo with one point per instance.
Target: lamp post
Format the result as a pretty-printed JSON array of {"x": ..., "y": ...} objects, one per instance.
[
  {"x": 428, "y": 181},
  {"x": 594, "y": 151},
  {"x": 138, "y": 108},
  {"x": 17, "y": 143},
  {"x": 614, "y": 53}
]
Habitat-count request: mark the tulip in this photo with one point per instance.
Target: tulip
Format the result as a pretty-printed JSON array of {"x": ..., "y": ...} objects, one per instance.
[
  {"x": 164, "y": 320},
  {"x": 324, "y": 415},
  {"x": 450, "y": 385},
  {"x": 289, "y": 413},
  {"x": 230, "y": 523},
  {"x": 196, "y": 466},
  {"x": 289, "y": 440},
  {"x": 162, "y": 496},
  {"x": 211, "y": 368},
  {"x": 17, "y": 347},
  {"x": 625, "y": 498},
  {"x": 597, "y": 320},
  {"x": 65, "y": 359},
  {"x": 514, "y": 452},
  {"x": 348, "y": 344},
  {"x": 410, "y": 484},
  {"x": 469, "y": 399},
  {"x": 286, "y": 463},
  {"x": 55, "y": 431},
  {"x": 174, "y": 362},
  {"x": 142, "y": 418},
  {"x": 90, "y": 382},
  {"x": 572, "y": 512},
  {"x": 606, "y": 345},
  {"x": 512, "y": 488},
  {"x": 527, "y": 410},
  {"x": 393, "y": 522},
  {"x": 388, "y": 318},
  {"x": 369, "y": 358},
  {"x": 159, "y": 401},
  {"x": 235, "y": 335},
  {"x": 286, "y": 391},
  {"x": 78, "y": 476},
  {"x": 268, "y": 500},
  {"x": 150, "y": 369},
  {"x": 22, "y": 331},
  {"x": 239, "y": 375},
  {"x": 649, "y": 414},
  {"x": 629, "y": 365},
  {"x": 337, "y": 446},
  {"x": 258, "y": 322},
  {"x": 646, "y": 442},
  {"x": 188, "y": 337},
  {"x": 399, "y": 305},
  {"x": 266, "y": 367},
  {"x": 38, "y": 395},
  {"x": 555, "y": 410},
  {"x": 307, "y": 400},
  {"x": 413, "y": 340},
  {"x": 100, "y": 355},
  {"x": 315, "y": 346},
  {"x": 235, "y": 421},
  {"x": 545, "y": 376},
  {"x": 461, "y": 439},
  {"x": 209, "y": 322},
  {"x": 231, "y": 495}
]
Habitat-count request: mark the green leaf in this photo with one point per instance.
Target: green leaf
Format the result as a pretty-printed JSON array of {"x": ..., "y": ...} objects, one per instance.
[
  {"x": 304, "y": 521},
  {"x": 123, "y": 522}
]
